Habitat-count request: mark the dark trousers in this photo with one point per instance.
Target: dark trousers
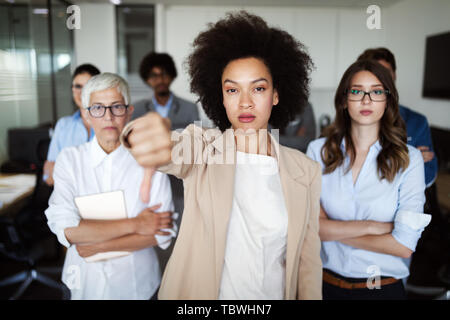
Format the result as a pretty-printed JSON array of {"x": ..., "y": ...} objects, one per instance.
[{"x": 394, "y": 291}]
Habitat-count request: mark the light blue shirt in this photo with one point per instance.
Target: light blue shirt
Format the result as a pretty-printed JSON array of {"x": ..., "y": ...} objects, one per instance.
[
  {"x": 69, "y": 131},
  {"x": 400, "y": 201},
  {"x": 163, "y": 110}
]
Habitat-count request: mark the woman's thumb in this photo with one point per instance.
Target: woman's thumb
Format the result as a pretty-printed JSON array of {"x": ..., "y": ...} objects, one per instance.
[{"x": 146, "y": 185}]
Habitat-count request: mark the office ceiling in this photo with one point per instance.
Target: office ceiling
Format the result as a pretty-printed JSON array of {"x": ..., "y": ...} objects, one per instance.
[{"x": 281, "y": 3}]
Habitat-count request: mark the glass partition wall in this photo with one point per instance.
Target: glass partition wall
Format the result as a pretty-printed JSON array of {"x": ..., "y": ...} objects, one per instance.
[
  {"x": 135, "y": 38},
  {"x": 36, "y": 54}
]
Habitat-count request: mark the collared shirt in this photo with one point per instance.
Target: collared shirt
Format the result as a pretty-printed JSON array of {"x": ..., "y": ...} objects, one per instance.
[
  {"x": 255, "y": 255},
  {"x": 69, "y": 131},
  {"x": 85, "y": 170},
  {"x": 400, "y": 201},
  {"x": 163, "y": 110},
  {"x": 419, "y": 134}
]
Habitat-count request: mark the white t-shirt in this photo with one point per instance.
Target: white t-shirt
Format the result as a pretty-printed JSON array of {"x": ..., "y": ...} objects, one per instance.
[{"x": 255, "y": 255}]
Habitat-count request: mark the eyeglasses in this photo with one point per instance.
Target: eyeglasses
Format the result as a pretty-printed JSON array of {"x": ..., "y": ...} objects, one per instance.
[
  {"x": 98, "y": 111},
  {"x": 374, "y": 95},
  {"x": 77, "y": 86},
  {"x": 154, "y": 75}
]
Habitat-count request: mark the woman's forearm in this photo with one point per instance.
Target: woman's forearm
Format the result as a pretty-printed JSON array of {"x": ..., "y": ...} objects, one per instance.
[
  {"x": 385, "y": 243},
  {"x": 131, "y": 242},
  {"x": 94, "y": 231},
  {"x": 335, "y": 230}
]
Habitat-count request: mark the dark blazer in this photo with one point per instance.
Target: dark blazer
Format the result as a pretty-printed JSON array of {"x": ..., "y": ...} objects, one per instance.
[
  {"x": 289, "y": 137},
  {"x": 181, "y": 114}
]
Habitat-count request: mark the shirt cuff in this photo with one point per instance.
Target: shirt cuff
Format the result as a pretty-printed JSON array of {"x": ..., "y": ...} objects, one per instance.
[
  {"x": 124, "y": 135},
  {"x": 60, "y": 233},
  {"x": 408, "y": 227},
  {"x": 164, "y": 241}
]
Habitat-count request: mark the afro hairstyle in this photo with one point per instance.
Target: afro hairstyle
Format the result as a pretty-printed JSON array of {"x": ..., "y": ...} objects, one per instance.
[
  {"x": 243, "y": 35},
  {"x": 160, "y": 60}
]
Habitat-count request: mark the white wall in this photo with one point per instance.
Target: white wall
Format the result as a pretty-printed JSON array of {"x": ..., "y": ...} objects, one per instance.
[
  {"x": 334, "y": 37},
  {"x": 409, "y": 23},
  {"x": 96, "y": 42}
]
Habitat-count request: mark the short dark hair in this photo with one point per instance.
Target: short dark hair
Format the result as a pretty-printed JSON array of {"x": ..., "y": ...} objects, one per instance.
[
  {"x": 160, "y": 60},
  {"x": 86, "y": 68},
  {"x": 379, "y": 54},
  {"x": 243, "y": 35}
]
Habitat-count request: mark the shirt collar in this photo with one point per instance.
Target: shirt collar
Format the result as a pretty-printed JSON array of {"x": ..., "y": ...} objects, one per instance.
[
  {"x": 284, "y": 158},
  {"x": 376, "y": 146},
  {"x": 77, "y": 115},
  {"x": 168, "y": 104},
  {"x": 97, "y": 154}
]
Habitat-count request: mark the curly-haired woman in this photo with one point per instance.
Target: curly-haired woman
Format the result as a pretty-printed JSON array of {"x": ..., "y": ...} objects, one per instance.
[
  {"x": 250, "y": 227},
  {"x": 372, "y": 198}
]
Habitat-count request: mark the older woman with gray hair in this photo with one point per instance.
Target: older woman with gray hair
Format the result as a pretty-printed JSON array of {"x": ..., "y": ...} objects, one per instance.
[{"x": 99, "y": 166}]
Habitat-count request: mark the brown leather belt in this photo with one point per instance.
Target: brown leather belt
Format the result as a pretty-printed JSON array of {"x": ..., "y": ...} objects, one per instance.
[{"x": 330, "y": 279}]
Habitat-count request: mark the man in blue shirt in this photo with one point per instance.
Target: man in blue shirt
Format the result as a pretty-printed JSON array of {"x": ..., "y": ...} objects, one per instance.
[
  {"x": 419, "y": 134},
  {"x": 70, "y": 130},
  {"x": 158, "y": 71}
]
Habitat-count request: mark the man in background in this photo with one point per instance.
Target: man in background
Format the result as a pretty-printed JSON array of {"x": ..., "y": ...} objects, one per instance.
[
  {"x": 300, "y": 131},
  {"x": 158, "y": 71}
]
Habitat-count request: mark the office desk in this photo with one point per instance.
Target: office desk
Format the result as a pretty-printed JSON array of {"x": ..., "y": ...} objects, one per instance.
[{"x": 14, "y": 189}]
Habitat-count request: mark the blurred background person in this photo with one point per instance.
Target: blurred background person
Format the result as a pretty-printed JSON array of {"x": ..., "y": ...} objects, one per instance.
[
  {"x": 300, "y": 131},
  {"x": 70, "y": 130},
  {"x": 158, "y": 71}
]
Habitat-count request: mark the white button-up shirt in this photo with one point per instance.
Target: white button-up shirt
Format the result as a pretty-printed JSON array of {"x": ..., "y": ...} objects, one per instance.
[
  {"x": 255, "y": 255},
  {"x": 400, "y": 201},
  {"x": 86, "y": 170}
]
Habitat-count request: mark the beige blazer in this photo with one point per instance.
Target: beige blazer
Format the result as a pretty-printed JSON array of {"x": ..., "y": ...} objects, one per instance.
[{"x": 194, "y": 269}]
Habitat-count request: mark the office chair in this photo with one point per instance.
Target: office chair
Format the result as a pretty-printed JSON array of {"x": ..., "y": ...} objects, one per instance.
[
  {"x": 23, "y": 236},
  {"x": 441, "y": 139},
  {"x": 14, "y": 246}
]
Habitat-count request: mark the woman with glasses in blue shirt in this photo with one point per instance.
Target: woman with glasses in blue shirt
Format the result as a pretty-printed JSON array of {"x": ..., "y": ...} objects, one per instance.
[
  {"x": 70, "y": 130},
  {"x": 372, "y": 189}
]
